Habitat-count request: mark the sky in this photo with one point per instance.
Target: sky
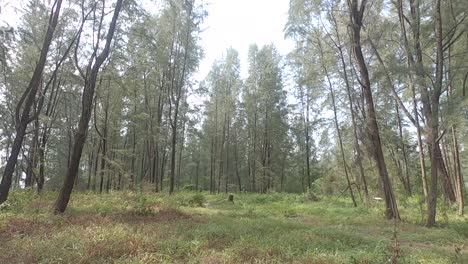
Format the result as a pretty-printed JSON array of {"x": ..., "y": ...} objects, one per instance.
[
  {"x": 230, "y": 23},
  {"x": 239, "y": 23}
]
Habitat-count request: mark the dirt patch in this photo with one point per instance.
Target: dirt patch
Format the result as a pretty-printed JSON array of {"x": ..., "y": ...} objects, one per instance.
[
  {"x": 128, "y": 247},
  {"x": 25, "y": 227},
  {"x": 86, "y": 220}
]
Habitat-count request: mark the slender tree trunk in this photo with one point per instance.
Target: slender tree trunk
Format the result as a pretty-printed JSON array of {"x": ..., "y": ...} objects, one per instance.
[
  {"x": 356, "y": 17},
  {"x": 337, "y": 126},
  {"x": 212, "y": 161},
  {"x": 459, "y": 183},
  {"x": 227, "y": 156},
  {"x": 283, "y": 168},
  {"x": 307, "y": 139},
  {"x": 221, "y": 158},
  {"x": 407, "y": 182},
  {"x": 90, "y": 166},
  {"x": 96, "y": 165},
  {"x": 26, "y": 102},
  {"x": 179, "y": 160},
  {"x": 457, "y": 168},
  {"x": 163, "y": 166},
  {"x": 174, "y": 148},
  {"x": 447, "y": 187},
  {"x": 33, "y": 156},
  {"x": 197, "y": 169},
  {"x": 432, "y": 112},
  {"x": 87, "y": 101},
  {"x": 422, "y": 161},
  {"x": 104, "y": 136},
  {"x": 236, "y": 153},
  {"x": 41, "y": 179},
  {"x": 447, "y": 161},
  {"x": 254, "y": 156},
  {"x": 414, "y": 8},
  {"x": 351, "y": 108}
]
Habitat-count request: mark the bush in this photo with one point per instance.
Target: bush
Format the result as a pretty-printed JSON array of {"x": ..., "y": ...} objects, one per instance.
[
  {"x": 189, "y": 187},
  {"x": 197, "y": 200},
  {"x": 143, "y": 207}
]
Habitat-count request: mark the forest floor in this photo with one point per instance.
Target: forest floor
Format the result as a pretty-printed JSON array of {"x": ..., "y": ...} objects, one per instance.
[{"x": 188, "y": 227}]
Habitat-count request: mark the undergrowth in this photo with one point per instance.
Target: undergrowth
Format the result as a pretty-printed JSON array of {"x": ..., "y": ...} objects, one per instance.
[{"x": 196, "y": 227}]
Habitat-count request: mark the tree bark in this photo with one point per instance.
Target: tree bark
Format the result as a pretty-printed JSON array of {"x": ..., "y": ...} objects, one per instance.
[
  {"x": 414, "y": 9},
  {"x": 357, "y": 147},
  {"x": 86, "y": 101},
  {"x": 407, "y": 182},
  {"x": 432, "y": 116},
  {"x": 26, "y": 102},
  {"x": 341, "y": 143},
  {"x": 356, "y": 15}
]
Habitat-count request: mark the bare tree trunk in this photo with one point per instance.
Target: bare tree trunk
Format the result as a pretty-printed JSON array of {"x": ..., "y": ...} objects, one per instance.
[
  {"x": 337, "y": 126},
  {"x": 33, "y": 156},
  {"x": 179, "y": 84},
  {"x": 350, "y": 187},
  {"x": 444, "y": 147},
  {"x": 221, "y": 158},
  {"x": 254, "y": 157},
  {"x": 458, "y": 174},
  {"x": 447, "y": 187},
  {"x": 26, "y": 102},
  {"x": 197, "y": 169},
  {"x": 103, "y": 136},
  {"x": 459, "y": 183},
  {"x": 227, "y": 155},
  {"x": 236, "y": 153},
  {"x": 283, "y": 168},
  {"x": 356, "y": 15},
  {"x": 422, "y": 161},
  {"x": 412, "y": 65},
  {"x": 432, "y": 116},
  {"x": 407, "y": 182},
  {"x": 90, "y": 165},
  {"x": 174, "y": 148},
  {"x": 307, "y": 139},
  {"x": 212, "y": 162},
  {"x": 163, "y": 166},
  {"x": 179, "y": 160},
  {"x": 86, "y": 101},
  {"x": 357, "y": 147}
]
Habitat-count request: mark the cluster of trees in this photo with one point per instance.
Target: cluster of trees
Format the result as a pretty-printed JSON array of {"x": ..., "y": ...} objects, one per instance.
[
  {"x": 401, "y": 67},
  {"x": 101, "y": 96}
]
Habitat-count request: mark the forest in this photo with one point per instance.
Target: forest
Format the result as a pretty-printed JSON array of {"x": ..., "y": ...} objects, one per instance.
[{"x": 350, "y": 148}]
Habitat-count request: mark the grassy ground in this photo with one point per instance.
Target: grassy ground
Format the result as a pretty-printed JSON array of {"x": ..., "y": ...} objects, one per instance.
[{"x": 201, "y": 228}]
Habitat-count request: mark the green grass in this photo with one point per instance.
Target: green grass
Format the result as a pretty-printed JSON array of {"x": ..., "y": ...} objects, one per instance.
[{"x": 200, "y": 228}]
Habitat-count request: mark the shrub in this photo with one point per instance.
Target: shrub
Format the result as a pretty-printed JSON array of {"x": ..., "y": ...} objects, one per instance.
[
  {"x": 189, "y": 187},
  {"x": 143, "y": 207},
  {"x": 197, "y": 200}
]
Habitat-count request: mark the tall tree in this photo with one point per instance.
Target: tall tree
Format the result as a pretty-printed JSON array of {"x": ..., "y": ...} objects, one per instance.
[
  {"x": 23, "y": 109},
  {"x": 90, "y": 78},
  {"x": 356, "y": 15}
]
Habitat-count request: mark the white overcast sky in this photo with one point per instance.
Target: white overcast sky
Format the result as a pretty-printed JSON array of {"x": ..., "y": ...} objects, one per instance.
[
  {"x": 230, "y": 23},
  {"x": 239, "y": 23}
]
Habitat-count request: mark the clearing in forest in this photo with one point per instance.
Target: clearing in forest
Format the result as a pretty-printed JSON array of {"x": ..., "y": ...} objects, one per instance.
[{"x": 194, "y": 227}]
